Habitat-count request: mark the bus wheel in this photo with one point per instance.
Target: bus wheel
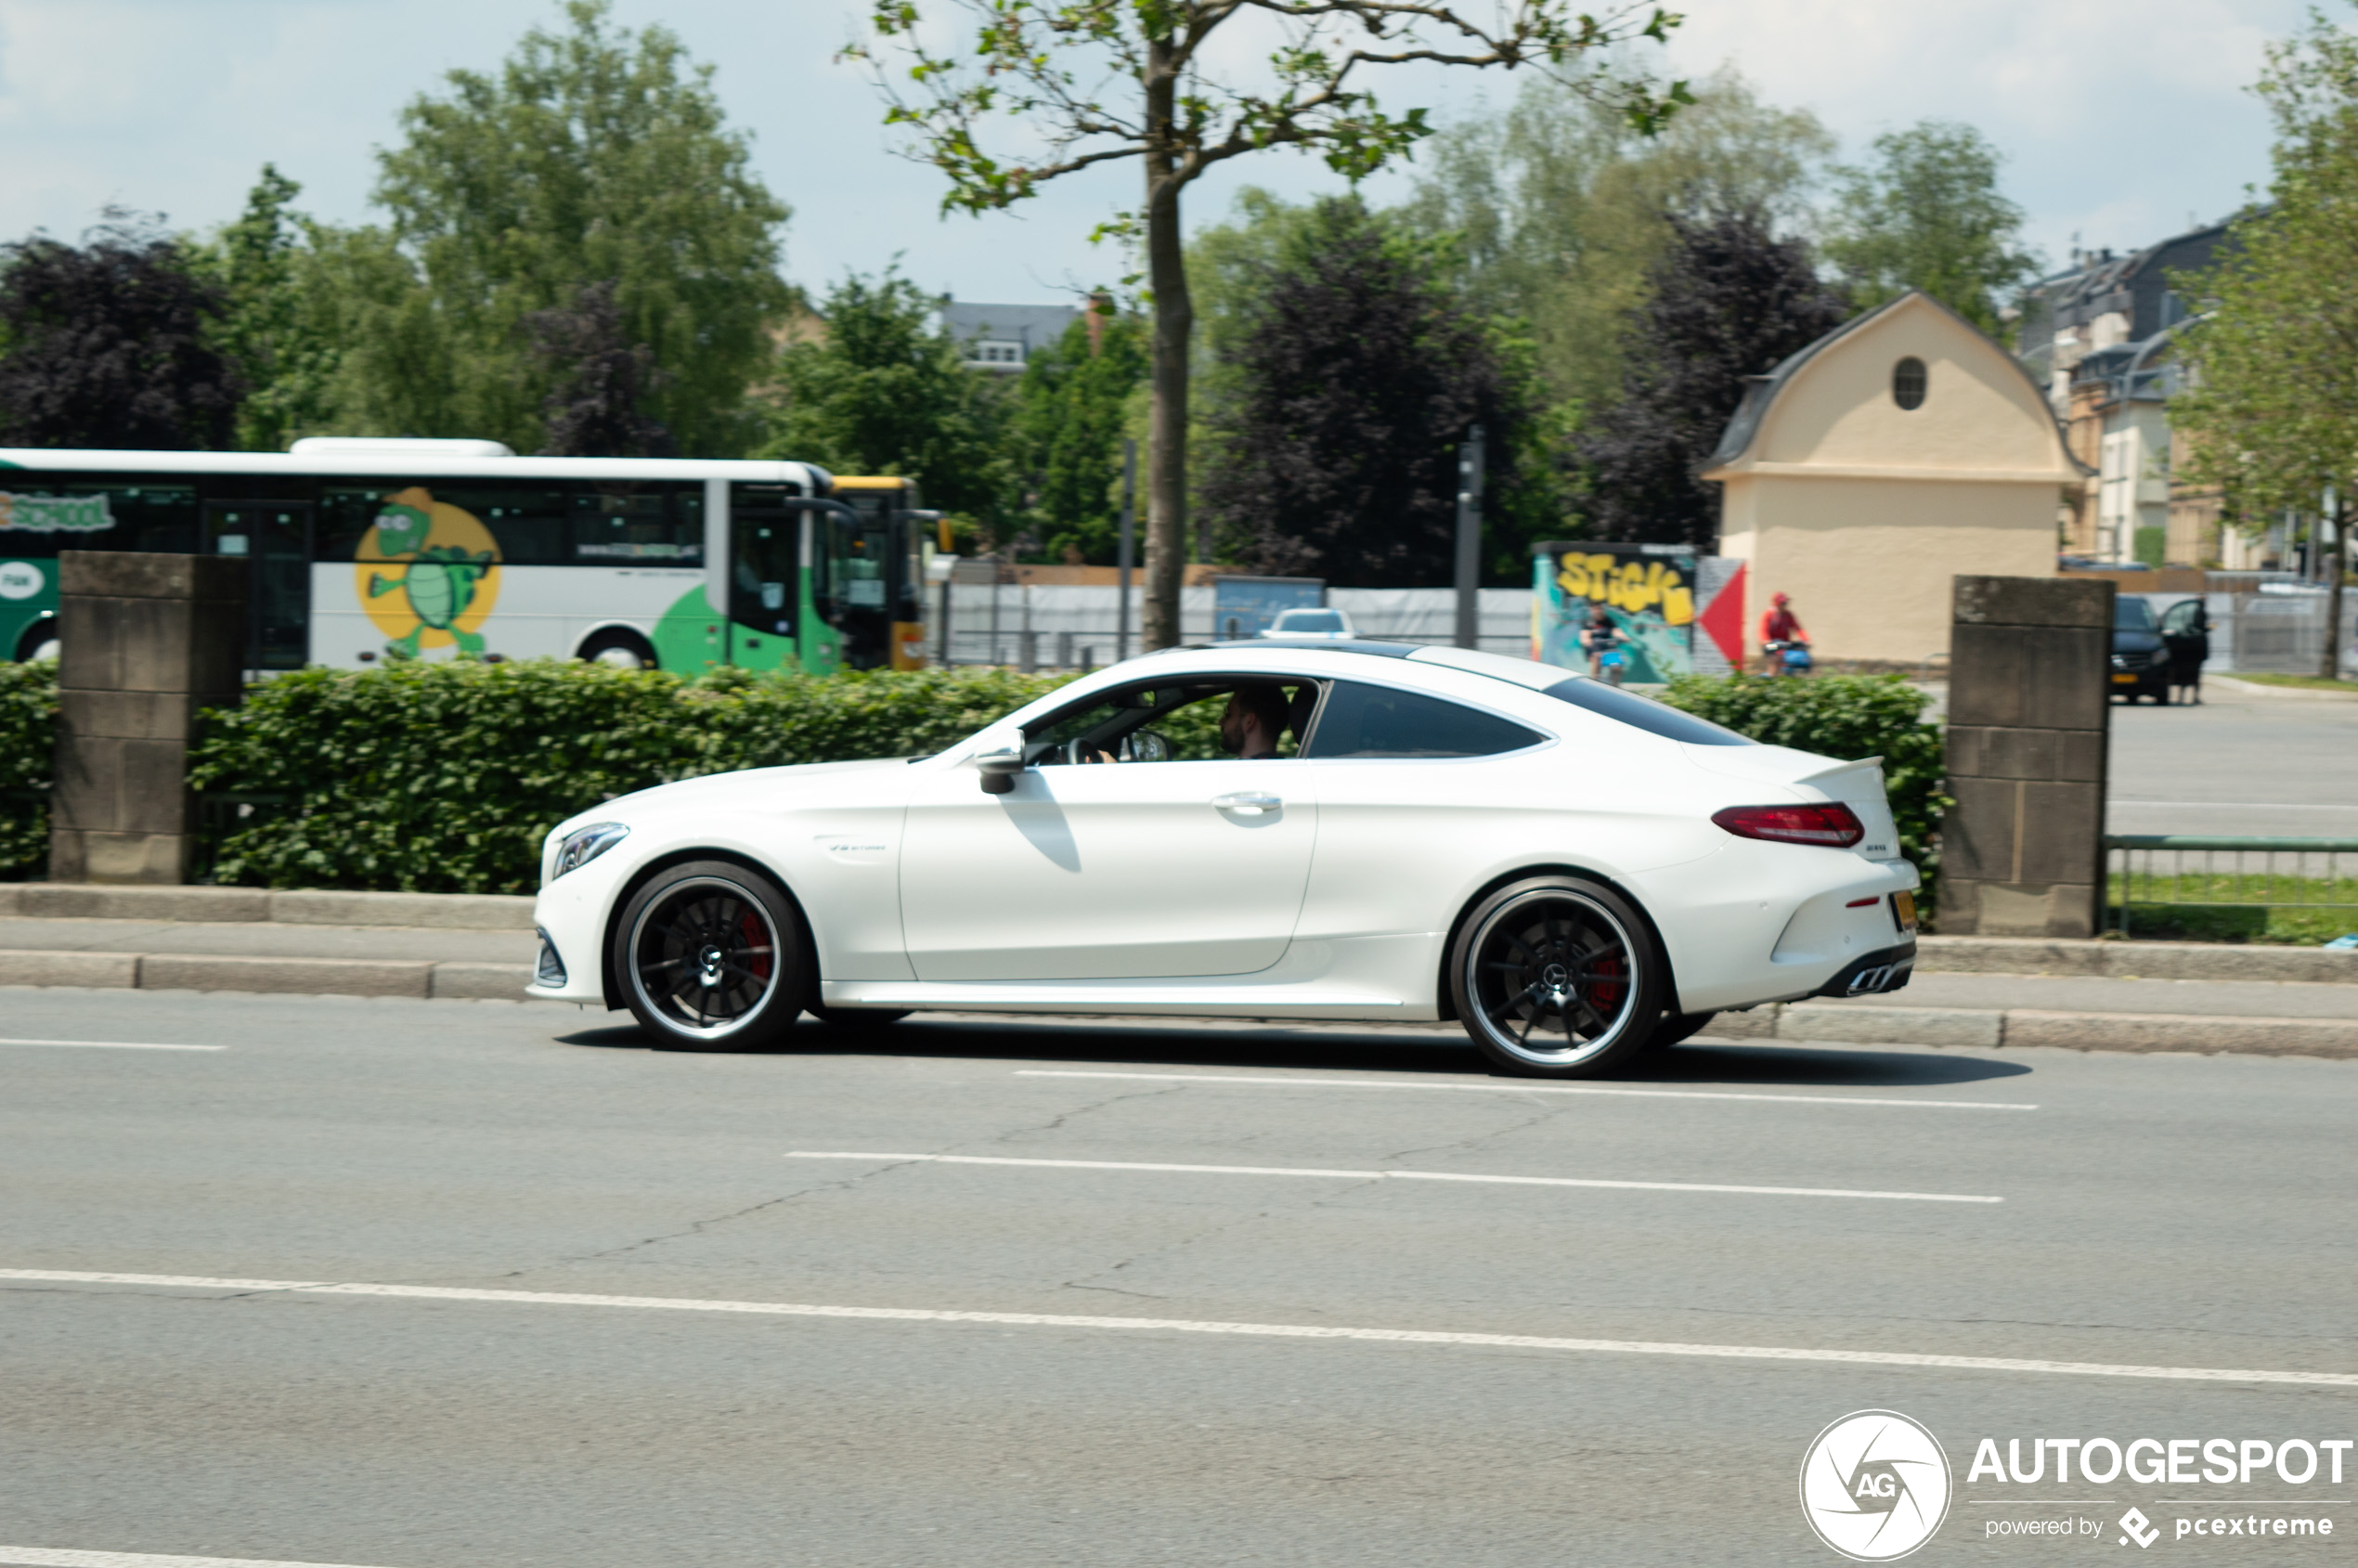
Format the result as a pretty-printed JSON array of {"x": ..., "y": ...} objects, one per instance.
[
  {"x": 39, "y": 640},
  {"x": 619, "y": 650}
]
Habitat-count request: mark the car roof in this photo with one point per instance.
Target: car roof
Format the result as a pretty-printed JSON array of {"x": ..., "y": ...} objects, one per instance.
[{"x": 1528, "y": 673}]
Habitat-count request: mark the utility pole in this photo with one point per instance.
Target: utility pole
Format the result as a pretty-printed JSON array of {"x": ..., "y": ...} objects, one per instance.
[
  {"x": 1470, "y": 456},
  {"x": 1129, "y": 544}
]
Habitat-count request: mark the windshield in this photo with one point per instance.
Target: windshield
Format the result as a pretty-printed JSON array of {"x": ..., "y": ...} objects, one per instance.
[
  {"x": 1310, "y": 620},
  {"x": 1655, "y": 718},
  {"x": 2132, "y": 614}
]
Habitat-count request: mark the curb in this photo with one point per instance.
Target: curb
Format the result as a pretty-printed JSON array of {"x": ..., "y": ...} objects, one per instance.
[
  {"x": 2023, "y": 1028},
  {"x": 1829, "y": 1023},
  {"x": 76, "y": 901},
  {"x": 497, "y": 912},
  {"x": 2296, "y": 693},
  {"x": 2133, "y": 961},
  {"x": 419, "y": 980}
]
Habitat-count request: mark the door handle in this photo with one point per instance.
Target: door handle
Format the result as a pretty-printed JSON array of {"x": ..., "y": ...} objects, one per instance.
[{"x": 1247, "y": 803}]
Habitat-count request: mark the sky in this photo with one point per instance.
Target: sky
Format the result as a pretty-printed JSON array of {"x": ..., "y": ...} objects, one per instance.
[{"x": 2122, "y": 122}]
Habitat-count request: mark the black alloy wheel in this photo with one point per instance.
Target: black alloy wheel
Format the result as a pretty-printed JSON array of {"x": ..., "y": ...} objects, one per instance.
[
  {"x": 711, "y": 958},
  {"x": 1558, "y": 977}
]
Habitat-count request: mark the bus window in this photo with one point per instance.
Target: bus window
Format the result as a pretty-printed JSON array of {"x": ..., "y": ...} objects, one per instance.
[
  {"x": 39, "y": 517},
  {"x": 624, "y": 522}
]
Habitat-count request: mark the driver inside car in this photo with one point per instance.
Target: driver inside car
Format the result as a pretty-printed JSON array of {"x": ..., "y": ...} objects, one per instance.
[
  {"x": 1251, "y": 726},
  {"x": 1254, "y": 718}
]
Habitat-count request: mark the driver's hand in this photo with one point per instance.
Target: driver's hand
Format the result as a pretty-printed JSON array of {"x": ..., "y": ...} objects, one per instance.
[{"x": 1103, "y": 756}]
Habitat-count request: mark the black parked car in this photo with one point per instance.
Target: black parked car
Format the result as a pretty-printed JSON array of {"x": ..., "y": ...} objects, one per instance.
[{"x": 2140, "y": 657}]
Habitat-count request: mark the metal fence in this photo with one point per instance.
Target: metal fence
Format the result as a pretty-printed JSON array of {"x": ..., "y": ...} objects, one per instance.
[
  {"x": 2150, "y": 870},
  {"x": 2284, "y": 633}
]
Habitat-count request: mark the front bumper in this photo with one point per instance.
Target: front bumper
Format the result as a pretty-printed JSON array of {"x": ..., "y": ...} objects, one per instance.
[{"x": 1875, "y": 974}]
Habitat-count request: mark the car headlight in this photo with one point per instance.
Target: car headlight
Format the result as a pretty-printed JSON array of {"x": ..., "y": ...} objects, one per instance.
[{"x": 585, "y": 843}]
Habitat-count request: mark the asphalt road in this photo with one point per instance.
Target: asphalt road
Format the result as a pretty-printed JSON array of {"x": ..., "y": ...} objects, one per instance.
[
  {"x": 2159, "y": 1215},
  {"x": 2235, "y": 765}
]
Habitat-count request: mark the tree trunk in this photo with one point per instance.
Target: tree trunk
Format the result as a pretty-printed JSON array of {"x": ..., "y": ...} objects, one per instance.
[
  {"x": 2330, "y": 665},
  {"x": 1174, "y": 319}
]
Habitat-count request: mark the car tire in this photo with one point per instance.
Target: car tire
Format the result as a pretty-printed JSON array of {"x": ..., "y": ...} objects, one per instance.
[
  {"x": 1675, "y": 1027},
  {"x": 711, "y": 956},
  {"x": 1558, "y": 977}
]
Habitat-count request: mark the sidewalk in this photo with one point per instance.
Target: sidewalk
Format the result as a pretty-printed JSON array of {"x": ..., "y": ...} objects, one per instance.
[{"x": 1968, "y": 991}]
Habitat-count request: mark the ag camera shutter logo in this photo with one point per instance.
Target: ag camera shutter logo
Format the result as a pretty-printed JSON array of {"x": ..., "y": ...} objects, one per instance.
[{"x": 1875, "y": 1486}]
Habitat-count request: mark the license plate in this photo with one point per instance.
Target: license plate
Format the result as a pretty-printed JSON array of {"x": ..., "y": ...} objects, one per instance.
[
  {"x": 1903, "y": 910},
  {"x": 2124, "y": 680}
]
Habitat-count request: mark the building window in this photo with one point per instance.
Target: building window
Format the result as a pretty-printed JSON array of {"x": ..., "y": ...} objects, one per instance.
[{"x": 1908, "y": 382}]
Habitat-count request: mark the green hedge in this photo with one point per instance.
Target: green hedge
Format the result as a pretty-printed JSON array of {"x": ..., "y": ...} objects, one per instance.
[
  {"x": 28, "y": 753},
  {"x": 443, "y": 777},
  {"x": 1845, "y": 715}
]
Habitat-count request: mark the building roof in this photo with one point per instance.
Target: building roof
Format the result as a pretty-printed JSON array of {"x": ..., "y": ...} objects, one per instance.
[
  {"x": 2136, "y": 286},
  {"x": 1033, "y": 326},
  {"x": 1761, "y": 391}
]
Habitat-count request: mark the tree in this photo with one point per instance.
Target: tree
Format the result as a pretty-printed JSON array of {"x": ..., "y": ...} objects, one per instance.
[
  {"x": 273, "y": 323},
  {"x": 1562, "y": 209},
  {"x": 109, "y": 343},
  {"x": 1727, "y": 300},
  {"x": 1929, "y": 215},
  {"x": 1069, "y": 427},
  {"x": 2271, "y": 415},
  {"x": 597, "y": 410},
  {"x": 1095, "y": 82},
  {"x": 593, "y": 156},
  {"x": 1355, "y": 377},
  {"x": 889, "y": 392}
]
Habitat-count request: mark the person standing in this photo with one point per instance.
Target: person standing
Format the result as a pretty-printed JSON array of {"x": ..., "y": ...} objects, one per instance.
[{"x": 2185, "y": 633}]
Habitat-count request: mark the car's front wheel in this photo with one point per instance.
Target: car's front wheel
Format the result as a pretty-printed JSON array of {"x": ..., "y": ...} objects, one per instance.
[
  {"x": 711, "y": 958},
  {"x": 1558, "y": 977}
]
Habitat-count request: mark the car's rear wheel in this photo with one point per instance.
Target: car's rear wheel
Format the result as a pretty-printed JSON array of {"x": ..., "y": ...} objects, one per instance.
[
  {"x": 711, "y": 958},
  {"x": 1558, "y": 977}
]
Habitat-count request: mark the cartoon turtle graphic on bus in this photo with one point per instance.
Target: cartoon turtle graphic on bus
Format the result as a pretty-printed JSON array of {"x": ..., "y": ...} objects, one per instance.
[{"x": 427, "y": 574}]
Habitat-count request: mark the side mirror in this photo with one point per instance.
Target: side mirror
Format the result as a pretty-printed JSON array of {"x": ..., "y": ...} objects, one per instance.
[{"x": 999, "y": 770}]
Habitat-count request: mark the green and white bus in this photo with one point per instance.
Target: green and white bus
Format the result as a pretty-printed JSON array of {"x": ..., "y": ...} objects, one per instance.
[{"x": 370, "y": 550}]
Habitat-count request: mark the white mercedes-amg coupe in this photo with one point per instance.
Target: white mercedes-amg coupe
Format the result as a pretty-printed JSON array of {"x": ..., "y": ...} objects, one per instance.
[{"x": 1379, "y": 831}]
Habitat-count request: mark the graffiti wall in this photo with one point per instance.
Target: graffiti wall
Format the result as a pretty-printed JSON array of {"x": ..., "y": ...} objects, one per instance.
[{"x": 1647, "y": 591}]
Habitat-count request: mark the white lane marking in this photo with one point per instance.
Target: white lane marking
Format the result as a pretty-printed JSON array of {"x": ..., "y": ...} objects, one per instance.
[
  {"x": 1191, "y": 1326},
  {"x": 1269, "y": 1082},
  {"x": 45, "y": 1557},
  {"x": 2241, "y": 805},
  {"x": 115, "y": 1045},
  {"x": 1401, "y": 1175}
]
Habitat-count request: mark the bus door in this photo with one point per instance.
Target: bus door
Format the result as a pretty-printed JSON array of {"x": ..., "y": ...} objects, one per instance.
[
  {"x": 274, "y": 538},
  {"x": 765, "y": 581}
]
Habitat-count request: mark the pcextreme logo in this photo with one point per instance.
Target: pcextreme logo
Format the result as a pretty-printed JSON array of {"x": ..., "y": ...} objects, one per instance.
[{"x": 1874, "y": 1486}]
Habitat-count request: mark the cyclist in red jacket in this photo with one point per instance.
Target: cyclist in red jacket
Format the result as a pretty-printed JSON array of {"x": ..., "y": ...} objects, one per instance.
[{"x": 1781, "y": 630}]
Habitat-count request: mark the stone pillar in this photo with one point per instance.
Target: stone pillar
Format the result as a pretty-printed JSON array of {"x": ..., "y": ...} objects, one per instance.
[
  {"x": 149, "y": 639},
  {"x": 2022, "y": 854}
]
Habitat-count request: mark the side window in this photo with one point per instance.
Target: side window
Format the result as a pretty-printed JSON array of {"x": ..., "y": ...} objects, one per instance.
[
  {"x": 1379, "y": 722},
  {"x": 1179, "y": 723}
]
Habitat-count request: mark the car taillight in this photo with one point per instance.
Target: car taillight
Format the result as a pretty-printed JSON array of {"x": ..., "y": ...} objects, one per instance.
[{"x": 1832, "y": 825}]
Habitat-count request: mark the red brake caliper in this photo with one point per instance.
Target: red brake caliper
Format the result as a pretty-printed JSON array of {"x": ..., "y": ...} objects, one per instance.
[
  {"x": 1604, "y": 993},
  {"x": 757, "y": 952}
]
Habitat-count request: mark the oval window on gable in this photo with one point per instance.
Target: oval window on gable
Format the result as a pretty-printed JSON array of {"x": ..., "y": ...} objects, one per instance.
[{"x": 1908, "y": 382}]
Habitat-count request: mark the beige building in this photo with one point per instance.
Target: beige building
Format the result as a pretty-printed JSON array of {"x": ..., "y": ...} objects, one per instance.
[{"x": 1861, "y": 476}]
